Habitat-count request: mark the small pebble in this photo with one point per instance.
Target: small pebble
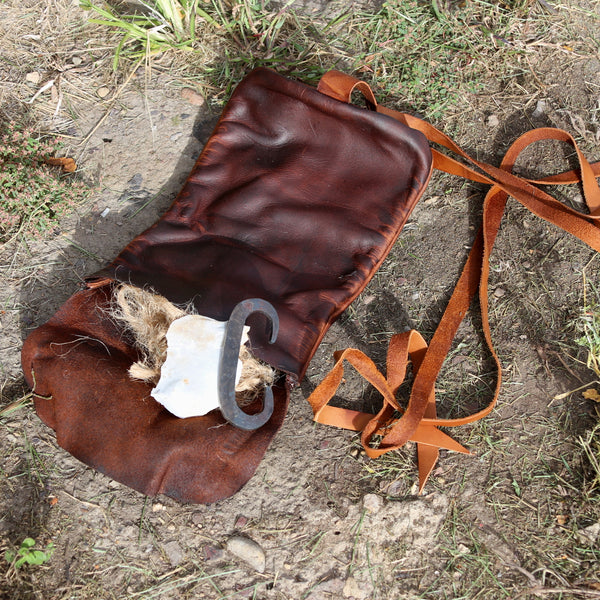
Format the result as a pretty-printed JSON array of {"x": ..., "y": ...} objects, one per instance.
[
  {"x": 192, "y": 97},
  {"x": 373, "y": 503},
  {"x": 462, "y": 549},
  {"x": 247, "y": 550},
  {"x": 540, "y": 109},
  {"x": 589, "y": 535},
  {"x": 357, "y": 590},
  {"x": 492, "y": 121},
  {"x": 355, "y": 452},
  {"x": 76, "y": 60},
  {"x": 174, "y": 552},
  {"x": 499, "y": 292},
  {"x": 103, "y": 92},
  {"x": 33, "y": 77},
  {"x": 241, "y": 522},
  {"x": 395, "y": 488},
  {"x": 212, "y": 553},
  {"x": 136, "y": 181}
]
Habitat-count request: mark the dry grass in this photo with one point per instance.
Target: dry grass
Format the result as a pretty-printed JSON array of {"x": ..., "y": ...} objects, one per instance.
[{"x": 435, "y": 58}]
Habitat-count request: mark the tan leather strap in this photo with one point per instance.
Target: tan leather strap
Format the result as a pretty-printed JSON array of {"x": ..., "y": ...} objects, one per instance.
[
  {"x": 341, "y": 86},
  {"x": 419, "y": 422}
]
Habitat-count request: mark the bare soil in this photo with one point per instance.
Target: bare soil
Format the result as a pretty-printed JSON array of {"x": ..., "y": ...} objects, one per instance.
[{"x": 512, "y": 520}]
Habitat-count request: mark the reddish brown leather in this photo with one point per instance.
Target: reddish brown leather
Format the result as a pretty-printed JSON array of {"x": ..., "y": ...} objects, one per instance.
[
  {"x": 297, "y": 199},
  {"x": 77, "y": 365}
]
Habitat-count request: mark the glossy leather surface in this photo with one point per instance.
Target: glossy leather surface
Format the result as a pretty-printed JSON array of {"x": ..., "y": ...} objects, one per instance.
[{"x": 297, "y": 199}]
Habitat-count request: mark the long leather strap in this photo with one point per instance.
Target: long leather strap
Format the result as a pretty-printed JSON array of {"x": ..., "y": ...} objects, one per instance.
[{"x": 419, "y": 422}]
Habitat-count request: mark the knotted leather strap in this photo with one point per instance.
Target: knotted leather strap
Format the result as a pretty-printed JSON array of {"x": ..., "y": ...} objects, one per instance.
[{"x": 419, "y": 422}]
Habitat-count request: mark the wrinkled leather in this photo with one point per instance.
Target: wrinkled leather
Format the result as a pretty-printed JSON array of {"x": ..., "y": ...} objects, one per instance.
[{"x": 296, "y": 198}]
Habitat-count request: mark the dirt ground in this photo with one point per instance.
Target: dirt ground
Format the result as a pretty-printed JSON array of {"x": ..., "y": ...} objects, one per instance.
[{"x": 512, "y": 520}]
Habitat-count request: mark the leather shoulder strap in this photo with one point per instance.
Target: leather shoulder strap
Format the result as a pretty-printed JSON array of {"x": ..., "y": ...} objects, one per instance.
[{"x": 418, "y": 422}]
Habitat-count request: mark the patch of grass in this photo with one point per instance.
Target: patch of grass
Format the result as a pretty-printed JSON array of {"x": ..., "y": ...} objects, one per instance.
[
  {"x": 33, "y": 195},
  {"x": 240, "y": 35},
  {"x": 591, "y": 446},
  {"x": 149, "y": 27},
  {"x": 430, "y": 55},
  {"x": 411, "y": 50},
  {"x": 509, "y": 538},
  {"x": 256, "y": 33},
  {"x": 16, "y": 405},
  {"x": 395, "y": 472},
  {"x": 173, "y": 584},
  {"x": 588, "y": 325}
]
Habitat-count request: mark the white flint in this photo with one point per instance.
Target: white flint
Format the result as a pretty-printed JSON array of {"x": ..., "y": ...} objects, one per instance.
[{"x": 188, "y": 379}]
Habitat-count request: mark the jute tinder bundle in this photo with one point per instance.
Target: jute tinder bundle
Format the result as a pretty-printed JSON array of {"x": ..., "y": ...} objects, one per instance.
[{"x": 148, "y": 316}]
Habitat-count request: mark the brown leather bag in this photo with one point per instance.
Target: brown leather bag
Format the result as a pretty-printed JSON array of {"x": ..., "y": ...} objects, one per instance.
[{"x": 297, "y": 199}]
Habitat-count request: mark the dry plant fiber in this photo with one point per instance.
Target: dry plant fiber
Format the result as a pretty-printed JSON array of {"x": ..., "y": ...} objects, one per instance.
[{"x": 147, "y": 316}]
